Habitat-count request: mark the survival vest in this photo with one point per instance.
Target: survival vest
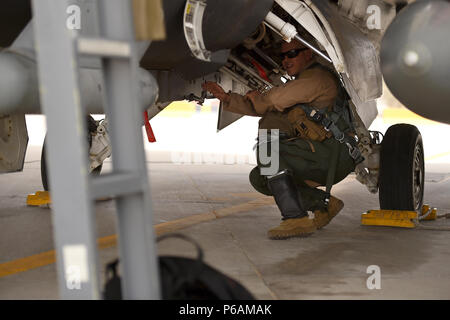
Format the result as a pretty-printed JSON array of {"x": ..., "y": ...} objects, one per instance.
[{"x": 320, "y": 124}]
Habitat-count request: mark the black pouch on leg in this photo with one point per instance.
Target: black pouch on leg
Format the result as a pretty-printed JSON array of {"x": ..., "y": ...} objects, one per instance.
[{"x": 286, "y": 195}]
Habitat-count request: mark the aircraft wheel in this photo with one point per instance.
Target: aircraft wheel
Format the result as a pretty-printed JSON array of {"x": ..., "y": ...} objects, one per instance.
[
  {"x": 44, "y": 177},
  {"x": 92, "y": 127},
  {"x": 402, "y": 169}
]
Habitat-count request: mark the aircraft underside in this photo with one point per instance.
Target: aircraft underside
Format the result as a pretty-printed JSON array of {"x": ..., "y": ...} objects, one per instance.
[{"x": 234, "y": 43}]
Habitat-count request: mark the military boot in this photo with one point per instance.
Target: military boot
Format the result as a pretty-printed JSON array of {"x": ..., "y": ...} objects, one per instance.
[
  {"x": 294, "y": 227},
  {"x": 296, "y": 222},
  {"x": 323, "y": 217}
]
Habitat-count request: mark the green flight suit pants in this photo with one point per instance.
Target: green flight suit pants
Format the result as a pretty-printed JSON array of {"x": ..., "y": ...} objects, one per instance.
[{"x": 307, "y": 160}]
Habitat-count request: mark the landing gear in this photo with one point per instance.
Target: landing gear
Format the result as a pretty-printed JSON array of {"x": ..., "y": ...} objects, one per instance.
[
  {"x": 44, "y": 177},
  {"x": 94, "y": 130},
  {"x": 402, "y": 169}
]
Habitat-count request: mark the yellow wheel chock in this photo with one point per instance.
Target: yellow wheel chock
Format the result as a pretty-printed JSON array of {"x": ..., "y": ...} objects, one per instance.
[
  {"x": 397, "y": 218},
  {"x": 40, "y": 198}
]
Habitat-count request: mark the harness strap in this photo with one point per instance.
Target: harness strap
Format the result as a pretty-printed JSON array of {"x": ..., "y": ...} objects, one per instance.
[
  {"x": 329, "y": 121},
  {"x": 331, "y": 173}
]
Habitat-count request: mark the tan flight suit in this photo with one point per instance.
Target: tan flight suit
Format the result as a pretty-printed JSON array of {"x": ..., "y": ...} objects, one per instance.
[{"x": 307, "y": 159}]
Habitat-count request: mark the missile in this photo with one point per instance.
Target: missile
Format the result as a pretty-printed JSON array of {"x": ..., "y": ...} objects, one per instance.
[{"x": 19, "y": 86}]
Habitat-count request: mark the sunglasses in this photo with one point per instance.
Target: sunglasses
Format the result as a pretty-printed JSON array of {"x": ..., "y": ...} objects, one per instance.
[{"x": 291, "y": 53}]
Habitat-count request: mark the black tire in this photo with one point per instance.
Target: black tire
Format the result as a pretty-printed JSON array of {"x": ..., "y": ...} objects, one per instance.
[
  {"x": 44, "y": 177},
  {"x": 402, "y": 169}
]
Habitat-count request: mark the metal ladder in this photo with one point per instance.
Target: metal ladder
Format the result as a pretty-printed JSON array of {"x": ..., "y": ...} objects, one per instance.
[{"x": 73, "y": 191}]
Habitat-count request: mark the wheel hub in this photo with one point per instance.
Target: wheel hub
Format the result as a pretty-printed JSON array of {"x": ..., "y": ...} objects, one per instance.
[{"x": 418, "y": 180}]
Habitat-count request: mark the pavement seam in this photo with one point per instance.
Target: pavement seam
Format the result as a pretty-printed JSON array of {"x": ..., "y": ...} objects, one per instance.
[
  {"x": 49, "y": 257},
  {"x": 255, "y": 269},
  {"x": 219, "y": 213}
]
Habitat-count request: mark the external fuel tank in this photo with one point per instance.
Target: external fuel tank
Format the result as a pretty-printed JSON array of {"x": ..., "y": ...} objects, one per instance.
[{"x": 225, "y": 25}]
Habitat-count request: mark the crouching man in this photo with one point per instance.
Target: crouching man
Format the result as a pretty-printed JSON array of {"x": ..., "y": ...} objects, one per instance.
[{"x": 309, "y": 155}]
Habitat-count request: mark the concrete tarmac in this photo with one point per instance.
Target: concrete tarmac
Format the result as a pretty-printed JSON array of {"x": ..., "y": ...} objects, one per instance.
[{"x": 216, "y": 206}]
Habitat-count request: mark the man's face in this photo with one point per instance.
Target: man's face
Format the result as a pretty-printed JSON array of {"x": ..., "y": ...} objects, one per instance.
[{"x": 297, "y": 64}]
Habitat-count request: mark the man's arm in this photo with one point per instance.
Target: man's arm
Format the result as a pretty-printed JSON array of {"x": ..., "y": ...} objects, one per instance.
[
  {"x": 302, "y": 90},
  {"x": 231, "y": 101},
  {"x": 313, "y": 86}
]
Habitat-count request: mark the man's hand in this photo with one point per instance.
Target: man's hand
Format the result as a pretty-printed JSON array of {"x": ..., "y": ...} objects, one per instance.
[{"x": 216, "y": 91}]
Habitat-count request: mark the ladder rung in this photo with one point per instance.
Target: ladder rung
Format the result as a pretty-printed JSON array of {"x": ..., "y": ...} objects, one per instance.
[
  {"x": 115, "y": 184},
  {"x": 104, "y": 48}
]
